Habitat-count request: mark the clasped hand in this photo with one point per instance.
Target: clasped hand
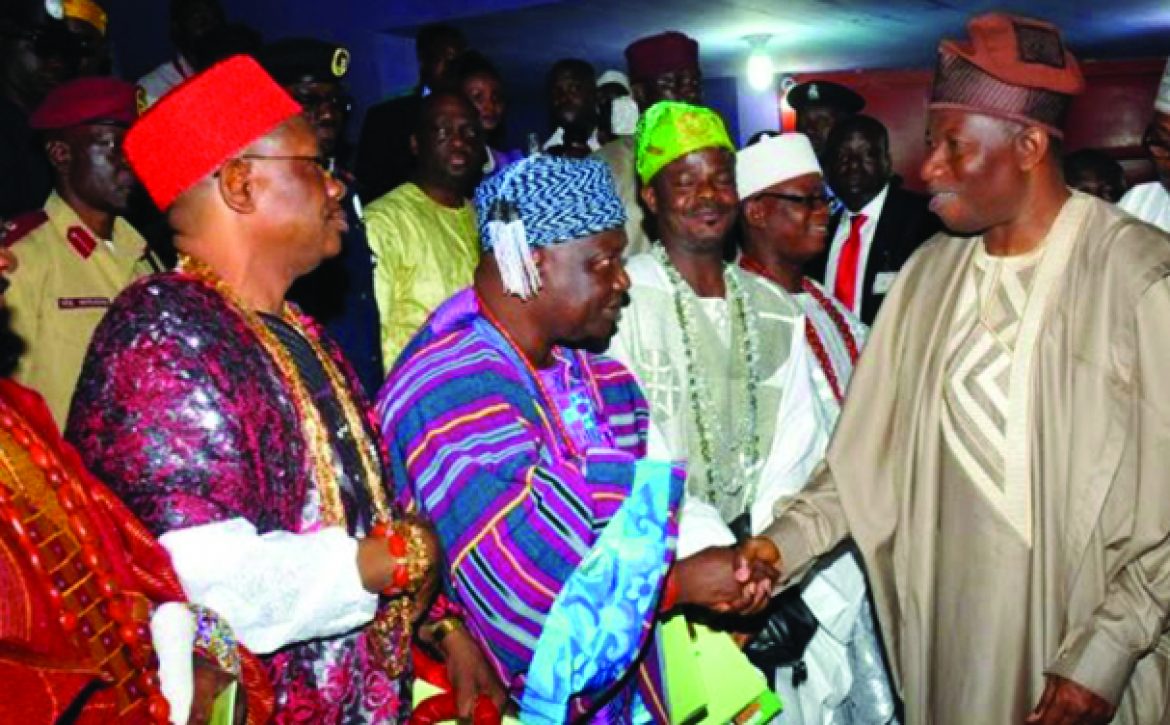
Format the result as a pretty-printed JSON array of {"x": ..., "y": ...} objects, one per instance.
[
  {"x": 732, "y": 580},
  {"x": 1065, "y": 702}
]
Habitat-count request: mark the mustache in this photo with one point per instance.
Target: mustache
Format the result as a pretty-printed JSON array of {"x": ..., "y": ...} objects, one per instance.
[{"x": 710, "y": 206}]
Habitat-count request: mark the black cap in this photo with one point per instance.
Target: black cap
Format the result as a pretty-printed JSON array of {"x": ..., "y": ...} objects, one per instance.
[
  {"x": 825, "y": 93},
  {"x": 293, "y": 60}
]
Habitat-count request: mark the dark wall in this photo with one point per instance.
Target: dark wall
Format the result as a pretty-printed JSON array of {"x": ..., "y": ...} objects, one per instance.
[
  {"x": 1110, "y": 115},
  {"x": 382, "y": 51}
]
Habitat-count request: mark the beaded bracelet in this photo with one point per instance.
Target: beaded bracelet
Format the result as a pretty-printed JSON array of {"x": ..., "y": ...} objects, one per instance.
[{"x": 404, "y": 542}]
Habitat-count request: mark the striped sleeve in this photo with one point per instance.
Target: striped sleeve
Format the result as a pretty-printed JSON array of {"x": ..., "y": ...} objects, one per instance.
[{"x": 466, "y": 444}]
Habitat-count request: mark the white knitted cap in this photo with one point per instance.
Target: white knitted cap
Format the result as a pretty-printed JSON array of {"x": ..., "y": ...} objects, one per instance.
[{"x": 773, "y": 160}]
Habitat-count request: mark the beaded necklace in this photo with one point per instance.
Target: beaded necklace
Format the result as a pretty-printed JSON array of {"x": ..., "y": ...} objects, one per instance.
[
  {"x": 322, "y": 456},
  {"x": 810, "y": 331},
  {"x": 548, "y": 408},
  {"x": 118, "y": 605},
  {"x": 707, "y": 421}
]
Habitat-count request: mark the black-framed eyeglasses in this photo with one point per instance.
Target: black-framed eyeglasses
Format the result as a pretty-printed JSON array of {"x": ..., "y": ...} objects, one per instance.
[
  {"x": 812, "y": 201},
  {"x": 326, "y": 163}
]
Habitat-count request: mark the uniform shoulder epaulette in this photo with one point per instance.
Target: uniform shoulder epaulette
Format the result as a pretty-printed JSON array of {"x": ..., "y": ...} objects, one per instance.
[{"x": 19, "y": 227}]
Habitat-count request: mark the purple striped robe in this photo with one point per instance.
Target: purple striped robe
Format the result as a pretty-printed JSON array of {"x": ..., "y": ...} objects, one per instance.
[{"x": 472, "y": 447}]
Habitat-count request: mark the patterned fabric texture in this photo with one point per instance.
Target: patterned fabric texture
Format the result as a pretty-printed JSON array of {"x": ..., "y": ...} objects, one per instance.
[
  {"x": 557, "y": 199},
  {"x": 516, "y": 512},
  {"x": 980, "y": 352},
  {"x": 670, "y": 130},
  {"x": 186, "y": 417}
]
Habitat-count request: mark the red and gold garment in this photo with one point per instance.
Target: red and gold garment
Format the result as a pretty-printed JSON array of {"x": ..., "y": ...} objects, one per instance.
[{"x": 80, "y": 577}]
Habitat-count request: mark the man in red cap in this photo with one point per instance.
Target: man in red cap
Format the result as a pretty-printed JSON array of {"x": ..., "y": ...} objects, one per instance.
[
  {"x": 233, "y": 427},
  {"x": 77, "y": 253},
  {"x": 1001, "y": 457},
  {"x": 663, "y": 67}
]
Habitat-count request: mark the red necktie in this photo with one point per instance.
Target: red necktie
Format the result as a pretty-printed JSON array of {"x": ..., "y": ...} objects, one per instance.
[{"x": 846, "y": 281}]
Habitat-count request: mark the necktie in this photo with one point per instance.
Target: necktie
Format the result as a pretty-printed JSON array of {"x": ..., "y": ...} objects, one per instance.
[{"x": 846, "y": 281}]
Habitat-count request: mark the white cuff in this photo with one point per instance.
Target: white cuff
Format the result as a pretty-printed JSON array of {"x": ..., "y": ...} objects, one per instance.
[
  {"x": 172, "y": 629},
  {"x": 273, "y": 589},
  {"x": 700, "y": 526}
]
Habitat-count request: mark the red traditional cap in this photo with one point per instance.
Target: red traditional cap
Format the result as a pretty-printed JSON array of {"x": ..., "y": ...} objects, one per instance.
[
  {"x": 647, "y": 58},
  {"x": 1012, "y": 67},
  {"x": 202, "y": 123},
  {"x": 86, "y": 100}
]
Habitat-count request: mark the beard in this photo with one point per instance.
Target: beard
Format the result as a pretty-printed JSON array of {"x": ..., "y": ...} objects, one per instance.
[{"x": 11, "y": 346}]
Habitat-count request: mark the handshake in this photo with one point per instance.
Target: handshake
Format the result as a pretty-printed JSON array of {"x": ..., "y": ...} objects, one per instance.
[{"x": 730, "y": 580}]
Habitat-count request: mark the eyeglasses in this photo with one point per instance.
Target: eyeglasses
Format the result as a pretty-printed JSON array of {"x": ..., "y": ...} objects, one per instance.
[
  {"x": 326, "y": 163},
  {"x": 812, "y": 202}
]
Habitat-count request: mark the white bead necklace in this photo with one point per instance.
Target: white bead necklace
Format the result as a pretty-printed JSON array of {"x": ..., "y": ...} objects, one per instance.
[{"x": 720, "y": 484}]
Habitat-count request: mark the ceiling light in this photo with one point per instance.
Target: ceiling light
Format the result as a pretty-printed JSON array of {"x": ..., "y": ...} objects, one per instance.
[{"x": 760, "y": 71}]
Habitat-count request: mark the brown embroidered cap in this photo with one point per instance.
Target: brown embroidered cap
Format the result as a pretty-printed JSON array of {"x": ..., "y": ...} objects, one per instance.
[{"x": 1012, "y": 67}]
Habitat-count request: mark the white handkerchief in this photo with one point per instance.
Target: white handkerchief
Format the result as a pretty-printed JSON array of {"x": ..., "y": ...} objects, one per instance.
[{"x": 883, "y": 281}]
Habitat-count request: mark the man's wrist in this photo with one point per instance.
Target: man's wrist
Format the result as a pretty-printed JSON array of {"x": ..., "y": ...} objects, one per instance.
[{"x": 444, "y": 627}]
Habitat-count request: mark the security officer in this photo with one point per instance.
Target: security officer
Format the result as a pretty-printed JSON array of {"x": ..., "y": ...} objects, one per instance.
[
  {"x": 339, "y": 293},
  {"x": 76, "y": 254},
  {"x": 819, "y": 105}
]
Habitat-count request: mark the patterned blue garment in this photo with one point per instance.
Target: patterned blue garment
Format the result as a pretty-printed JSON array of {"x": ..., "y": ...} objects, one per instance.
[
  {"x": 590, "y": 637},
  {"x": 520, "y": 514}
]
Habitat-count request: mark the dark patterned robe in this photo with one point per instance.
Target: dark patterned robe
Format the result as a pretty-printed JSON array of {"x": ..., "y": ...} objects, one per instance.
[{"x": 183, "y": 413}]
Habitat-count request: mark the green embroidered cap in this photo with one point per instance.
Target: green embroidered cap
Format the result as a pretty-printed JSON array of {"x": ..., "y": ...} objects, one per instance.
[{"x": 671, "y": 129}]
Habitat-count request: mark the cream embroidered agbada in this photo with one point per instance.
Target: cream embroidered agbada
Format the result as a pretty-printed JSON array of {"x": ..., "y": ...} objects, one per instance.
[{"x": 1062, "y": 564}]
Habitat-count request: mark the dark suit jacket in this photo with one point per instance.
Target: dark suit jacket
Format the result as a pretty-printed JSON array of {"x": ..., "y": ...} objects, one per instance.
[
  {"x": 383, "y": 158},
  {"x": 905, "y": 223},
  {"x": 340, "y": 295}
]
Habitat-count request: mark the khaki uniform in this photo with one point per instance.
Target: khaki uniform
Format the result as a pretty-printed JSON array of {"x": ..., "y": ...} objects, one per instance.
[{"x": 65, "y": 280}]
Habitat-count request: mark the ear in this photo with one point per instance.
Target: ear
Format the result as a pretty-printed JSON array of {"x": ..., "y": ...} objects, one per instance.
[
  {"x": 886, "y": 162},
  {"x": 236, "y": 186},
  {"x": 59, "y": 153},
  {"x": 753, "y": 213},
  {"x": 649, "y": 198},
  {"x": 539, "y": 257},
  {"x": 1031, "y": 147}
]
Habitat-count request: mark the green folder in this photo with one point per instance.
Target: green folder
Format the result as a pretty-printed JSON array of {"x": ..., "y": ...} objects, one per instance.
[
  {"x": 709, "y": 681},
  {"x": 424, "y": 689},
  {"x": 223, "y": 710}
]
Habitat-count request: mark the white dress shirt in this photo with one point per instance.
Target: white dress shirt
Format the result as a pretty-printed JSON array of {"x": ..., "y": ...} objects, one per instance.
[
  {"x": 1150, "y": 203},
  {"x": 872, "y": 212}
]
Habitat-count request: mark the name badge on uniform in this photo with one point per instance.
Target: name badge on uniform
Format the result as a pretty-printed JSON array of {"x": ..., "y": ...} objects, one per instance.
[
  {"x": 883, "y": 281},
  {"x": 82, "y": 303}
]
